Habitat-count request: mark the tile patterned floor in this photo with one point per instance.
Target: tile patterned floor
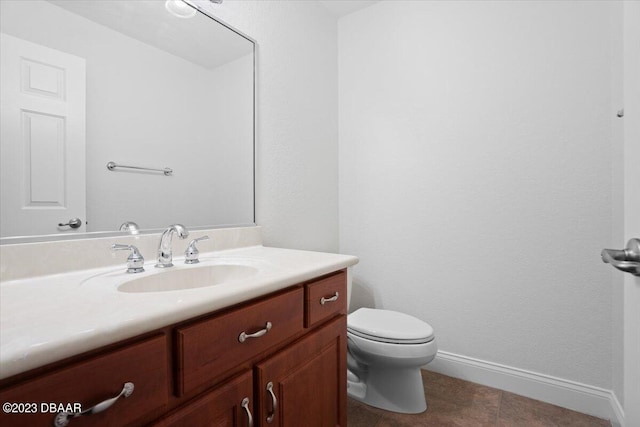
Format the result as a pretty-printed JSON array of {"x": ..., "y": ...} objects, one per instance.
[{"x": 454, "y": 402}]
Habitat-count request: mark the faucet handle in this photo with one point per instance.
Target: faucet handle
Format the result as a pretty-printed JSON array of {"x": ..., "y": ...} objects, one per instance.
[
  {"x": 191, "y": 254},
  {"x": 135, "y": 261}
]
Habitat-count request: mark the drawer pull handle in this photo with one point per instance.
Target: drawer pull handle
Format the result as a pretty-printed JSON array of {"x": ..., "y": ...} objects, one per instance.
[
  {"x": 332, "y": 299},
  {"x": 62, "y": 418},
  {"x": 245, "y": 405},
  {"x": 243, "y": 335},
  {"x": 274, "y": 403}
]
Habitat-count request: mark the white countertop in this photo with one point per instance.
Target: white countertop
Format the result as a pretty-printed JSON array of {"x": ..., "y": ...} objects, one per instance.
[{"x": 48, "y": 318}]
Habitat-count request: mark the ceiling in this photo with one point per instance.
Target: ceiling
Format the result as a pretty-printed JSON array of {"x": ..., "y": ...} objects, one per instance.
[
  {"x": 343, "y": 7},
  {"x": 149, "y": 22}
]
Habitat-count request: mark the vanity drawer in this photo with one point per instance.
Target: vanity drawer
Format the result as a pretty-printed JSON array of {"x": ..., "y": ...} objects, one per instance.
[
  {"x": 210, "y": 349},
  {"x": 325, "y": 298},
  {"x": 93, "y": 381}
]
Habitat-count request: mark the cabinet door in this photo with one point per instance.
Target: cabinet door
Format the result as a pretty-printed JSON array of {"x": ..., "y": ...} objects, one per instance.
[
  {"x": 230, "y": 405},
  {"x": 305, "y": 385}
]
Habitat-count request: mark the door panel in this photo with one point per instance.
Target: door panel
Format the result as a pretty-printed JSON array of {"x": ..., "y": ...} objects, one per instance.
[
  {"x": 632, "y": 209},
  {"x": 42, "y": 149}
]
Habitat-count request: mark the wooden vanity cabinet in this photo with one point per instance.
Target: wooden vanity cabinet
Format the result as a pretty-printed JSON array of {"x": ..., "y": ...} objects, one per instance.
[
  {"x": 306, "y": 384},
  {"x": 203, "y": 373},
  {"x": 300, "y": 384},
  {"x": 303, "y": 385}
]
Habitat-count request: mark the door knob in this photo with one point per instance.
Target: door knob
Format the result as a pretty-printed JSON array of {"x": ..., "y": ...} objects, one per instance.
[
  {"x": 627, "y": 259},
  {"x": 73, "y": 223}
]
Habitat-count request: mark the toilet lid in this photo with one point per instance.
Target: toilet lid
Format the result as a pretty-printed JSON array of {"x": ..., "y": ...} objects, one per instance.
[{"x": 388, "y": 326}]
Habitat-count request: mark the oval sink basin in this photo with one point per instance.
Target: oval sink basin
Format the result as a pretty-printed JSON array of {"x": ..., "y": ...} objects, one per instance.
[{"x": 188, "y": 278}]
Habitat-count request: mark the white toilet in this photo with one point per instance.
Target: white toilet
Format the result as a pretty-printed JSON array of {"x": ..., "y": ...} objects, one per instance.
[{"x": 385, "y": 352}]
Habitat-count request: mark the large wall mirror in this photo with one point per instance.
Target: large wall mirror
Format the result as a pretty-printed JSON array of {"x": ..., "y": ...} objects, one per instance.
[{"x": 160, "y": 91}]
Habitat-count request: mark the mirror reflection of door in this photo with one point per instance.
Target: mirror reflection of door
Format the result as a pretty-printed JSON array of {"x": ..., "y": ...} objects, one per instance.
[
  {"x": 42, "y": 153},
  {"x": 161, "y": 91}
]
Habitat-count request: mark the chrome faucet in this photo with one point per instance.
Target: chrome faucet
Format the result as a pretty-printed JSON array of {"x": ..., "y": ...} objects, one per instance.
[{"x": 165, "y": 256}]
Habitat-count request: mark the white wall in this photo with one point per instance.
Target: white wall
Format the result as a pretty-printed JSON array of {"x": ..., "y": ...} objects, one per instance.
[
  {"x": 297, "y": 129},
  {"x": 476, "y": 175}
]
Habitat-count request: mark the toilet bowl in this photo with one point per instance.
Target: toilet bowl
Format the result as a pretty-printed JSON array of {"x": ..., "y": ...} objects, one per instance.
[{"x": 385, "y": 352}]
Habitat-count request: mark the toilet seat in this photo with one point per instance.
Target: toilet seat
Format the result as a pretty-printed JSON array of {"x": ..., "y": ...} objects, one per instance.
[
  {"x": 389, "y": 327},
  {"x": 388, "y": 340}
]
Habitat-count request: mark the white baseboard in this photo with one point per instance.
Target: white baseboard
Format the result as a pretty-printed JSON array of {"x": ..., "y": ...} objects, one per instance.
[
  {"x": 572, "y": 395},
  {"x": 618, "y": 411}
]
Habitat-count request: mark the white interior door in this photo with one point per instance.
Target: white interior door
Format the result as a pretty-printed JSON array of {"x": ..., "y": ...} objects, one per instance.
[
  {"x": 632, "y": 209},
  {"x": 42, "y": 139}
]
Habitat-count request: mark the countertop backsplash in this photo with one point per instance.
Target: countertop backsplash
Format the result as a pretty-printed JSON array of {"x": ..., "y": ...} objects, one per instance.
[{"x": 23, "y": 260}]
